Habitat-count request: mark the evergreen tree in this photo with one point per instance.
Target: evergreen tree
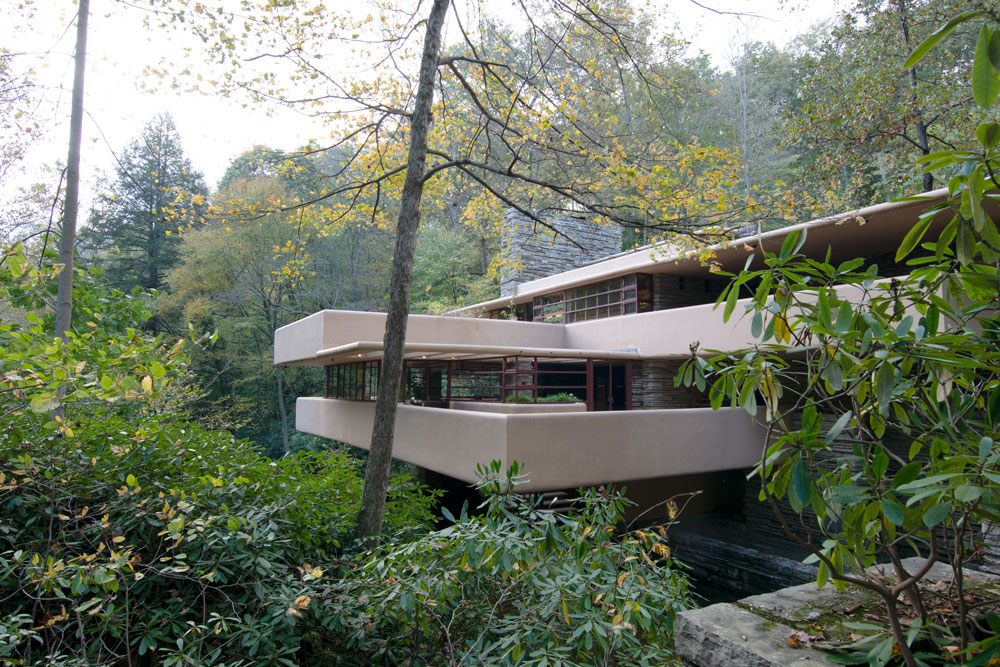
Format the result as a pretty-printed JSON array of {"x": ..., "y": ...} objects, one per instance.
[{"x": 154, "y": 195}]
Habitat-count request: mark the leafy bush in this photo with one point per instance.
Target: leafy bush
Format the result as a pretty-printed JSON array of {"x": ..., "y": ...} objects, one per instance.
[
  {"x": 908, "y": 372},
  {"x": 127, "y": 533},
  {"x": 128, "y": 536},
  {"x": 519, "y": 584},
  {"x": 559, "y": 397},
  {"x": 167, "y": 537}
]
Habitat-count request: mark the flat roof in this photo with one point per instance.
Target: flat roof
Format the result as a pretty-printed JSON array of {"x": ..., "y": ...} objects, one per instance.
[{"x": 866, "y": 231}]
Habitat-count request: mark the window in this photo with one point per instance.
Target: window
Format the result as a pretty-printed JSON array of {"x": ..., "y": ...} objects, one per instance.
[
  {"x": 356, "y": 382},
  {"x": 475, "y": 381},
  {"x": 437, "y": 382},
  {"x": 550, "y": 308},
  {"x": 532, "y": 379},
  {"x": 610, "y": 298}
]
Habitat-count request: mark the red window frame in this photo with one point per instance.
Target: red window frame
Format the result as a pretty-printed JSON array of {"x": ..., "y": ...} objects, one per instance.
[{"x": 625, "y": 295}]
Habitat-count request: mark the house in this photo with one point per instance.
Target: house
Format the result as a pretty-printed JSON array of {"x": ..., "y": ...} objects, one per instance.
[{"x": 607, "y": 337}]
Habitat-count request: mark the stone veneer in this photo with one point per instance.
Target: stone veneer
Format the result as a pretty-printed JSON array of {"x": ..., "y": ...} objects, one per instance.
[
  {"x": 653, "y": 386},
  {"x": 530, "y": 251},
  {"x": 673, "y": 291},
  {"x": 991, "y": 547}
]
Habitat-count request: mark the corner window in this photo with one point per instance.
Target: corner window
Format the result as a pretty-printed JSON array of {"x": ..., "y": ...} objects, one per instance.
[{"x": 610, "y": 298}]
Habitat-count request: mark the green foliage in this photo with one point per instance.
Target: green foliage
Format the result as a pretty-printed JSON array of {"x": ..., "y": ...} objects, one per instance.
[
  {"x": 135, "y": 224},
  {"x": 443, "y": 271},
  {"x": 259, "y": 161},
  {"x": 241, "y": 277},
  {"x": 518, "y": 585},
  {"x": 168, "y": 537},
  {"x": 254, "y": 267},
  {"x": 100, "y": 362},
  {"x": 905, "y": 373},
  {"x": 864, "y": 115},
  {"x": 127, "y": 531},
  {"x": 559, "y": 397}
]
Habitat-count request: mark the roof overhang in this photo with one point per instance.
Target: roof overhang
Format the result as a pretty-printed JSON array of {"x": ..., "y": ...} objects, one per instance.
[
  {"x": 337, "y": 336},
  {"x": 867, "y": 231}
]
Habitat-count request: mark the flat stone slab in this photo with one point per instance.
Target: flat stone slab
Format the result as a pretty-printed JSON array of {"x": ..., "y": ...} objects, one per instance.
[
  {"x": 760, "y": 630},
  {"x": 724, "y": 634},
  {"x": 804, "y": 603}
]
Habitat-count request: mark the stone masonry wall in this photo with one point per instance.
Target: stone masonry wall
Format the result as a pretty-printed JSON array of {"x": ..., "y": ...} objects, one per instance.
[
  {"x": 638, "y": 385},
  {"x": 530, "y": 251},
  {"x": 670, "y": 291},
  {"x": 653, "y": 387},
  {"x": 991, "y": 547}
]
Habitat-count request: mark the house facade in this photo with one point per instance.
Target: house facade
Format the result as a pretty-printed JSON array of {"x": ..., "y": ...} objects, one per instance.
[{"x": 572, "y": 374}]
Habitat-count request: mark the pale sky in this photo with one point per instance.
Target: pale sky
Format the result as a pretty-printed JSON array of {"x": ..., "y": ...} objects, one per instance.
[{"x": 215, "y": 130}]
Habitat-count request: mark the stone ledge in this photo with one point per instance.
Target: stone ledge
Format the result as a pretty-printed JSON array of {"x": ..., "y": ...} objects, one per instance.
[
  {"x": 724, "y": 634},
  {"x": 754, "y": 631}
]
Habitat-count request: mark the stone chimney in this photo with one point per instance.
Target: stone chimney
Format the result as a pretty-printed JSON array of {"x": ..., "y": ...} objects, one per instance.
[{"x": 530, "y": 250}]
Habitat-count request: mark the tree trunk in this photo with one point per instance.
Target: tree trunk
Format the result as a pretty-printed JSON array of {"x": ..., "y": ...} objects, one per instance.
[
  {"x": 744, "y": 95},
  {"x": 920, "y": 125},
  {"x": 67, "y": 237},
  {"x": 380, "y": 456},
  {"x": 456, "y": 223}
]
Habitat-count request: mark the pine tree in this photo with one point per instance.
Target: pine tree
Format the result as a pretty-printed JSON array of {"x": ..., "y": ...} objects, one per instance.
[{"x": 155, "y": 194}]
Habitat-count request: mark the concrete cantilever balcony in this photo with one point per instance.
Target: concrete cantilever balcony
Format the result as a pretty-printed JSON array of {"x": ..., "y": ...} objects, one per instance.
[{"x": 560, "y": 449}]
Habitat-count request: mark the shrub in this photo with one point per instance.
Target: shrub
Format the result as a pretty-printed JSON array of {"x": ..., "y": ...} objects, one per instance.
[
  {"x": 131, "y": 537},
  {"x": 519, "y": 584},
  {"x": 127, "y": 533},
  {"x": 908, "y": 372},
  {"x": 560, "y": 397}
]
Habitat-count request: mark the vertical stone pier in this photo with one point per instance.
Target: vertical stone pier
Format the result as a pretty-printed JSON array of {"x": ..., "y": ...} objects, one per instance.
[{"x": 530, "y": 250}]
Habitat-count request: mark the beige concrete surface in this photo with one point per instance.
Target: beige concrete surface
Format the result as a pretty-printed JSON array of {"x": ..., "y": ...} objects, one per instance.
[
  {"x": 655, "y": 335},
  {"x": 605, "y": 447},
  {"x": 559, "y": 450},
  {"x": 300, "y": 341},
  {"x": 451, "y": 442},
  {"x": 871, "y": 230}
]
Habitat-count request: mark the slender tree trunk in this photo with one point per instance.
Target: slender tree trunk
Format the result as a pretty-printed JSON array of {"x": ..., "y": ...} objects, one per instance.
[
  {"x": 380, "y": 456},
  {"x": 456, "y": 224},
  {"x": 919, "y": 125},
  {"x": 744, "y": 94},
  {"x": 67, "y": 238}
]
